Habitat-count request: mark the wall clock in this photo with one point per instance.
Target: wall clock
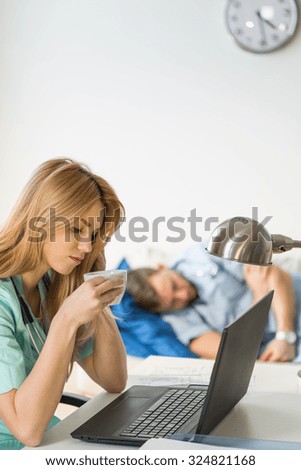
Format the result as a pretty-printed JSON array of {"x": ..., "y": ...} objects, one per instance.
[{"x": 262, "y": 25}]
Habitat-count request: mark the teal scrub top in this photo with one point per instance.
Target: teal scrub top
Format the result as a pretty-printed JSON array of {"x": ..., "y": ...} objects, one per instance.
[{"x": 17, "y": 353}]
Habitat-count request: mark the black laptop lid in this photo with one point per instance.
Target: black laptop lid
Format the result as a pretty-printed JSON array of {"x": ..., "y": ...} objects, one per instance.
[{"x": 234, "y": 364}]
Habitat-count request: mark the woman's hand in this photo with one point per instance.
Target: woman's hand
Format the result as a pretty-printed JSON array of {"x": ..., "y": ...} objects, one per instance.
[{"x": 90, "y": 298}]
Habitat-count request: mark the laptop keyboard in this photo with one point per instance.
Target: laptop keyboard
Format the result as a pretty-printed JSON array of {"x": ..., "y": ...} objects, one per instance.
[{"x": 167, "y": 414}]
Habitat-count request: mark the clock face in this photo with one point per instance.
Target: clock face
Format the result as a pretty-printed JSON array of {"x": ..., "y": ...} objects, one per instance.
[{"x": 262, "y": 25}]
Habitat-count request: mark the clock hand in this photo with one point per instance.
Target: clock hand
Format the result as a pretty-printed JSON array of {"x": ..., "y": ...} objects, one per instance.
[
  {"x": 272, "y": 25},
  {"x": 269, "y": 23},
  {"x": 261, "y": 26}
]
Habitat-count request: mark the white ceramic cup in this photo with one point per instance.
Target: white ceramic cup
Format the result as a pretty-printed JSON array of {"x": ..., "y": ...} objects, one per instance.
[{"x": 112, "y": 274}]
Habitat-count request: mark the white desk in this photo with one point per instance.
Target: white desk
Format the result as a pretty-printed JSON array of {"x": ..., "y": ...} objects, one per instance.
[{"x": 270, "y": 410}]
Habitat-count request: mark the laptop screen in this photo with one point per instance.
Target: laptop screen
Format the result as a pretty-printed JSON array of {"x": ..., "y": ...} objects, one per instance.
[{"x": 234, "y": 364}]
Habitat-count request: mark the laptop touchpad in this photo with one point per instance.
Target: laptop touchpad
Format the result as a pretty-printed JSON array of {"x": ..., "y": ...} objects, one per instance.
[{"x": 131, "y": 404}]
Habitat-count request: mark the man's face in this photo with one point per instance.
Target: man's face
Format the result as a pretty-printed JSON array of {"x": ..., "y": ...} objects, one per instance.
[{"x": 173, "y": 290}]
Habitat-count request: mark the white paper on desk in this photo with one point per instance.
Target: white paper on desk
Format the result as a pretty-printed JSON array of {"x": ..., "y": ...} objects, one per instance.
[
  {"x": 175, "y": 368},
  {"x": 162, "y": 374},
  {"x": 156, "y": 370},
  {"x": 168, "y": 380},
  {"x": 170, "y": 444}
]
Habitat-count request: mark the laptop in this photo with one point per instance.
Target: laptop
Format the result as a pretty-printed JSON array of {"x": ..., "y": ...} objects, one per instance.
[{"x": 144, "y": 412}]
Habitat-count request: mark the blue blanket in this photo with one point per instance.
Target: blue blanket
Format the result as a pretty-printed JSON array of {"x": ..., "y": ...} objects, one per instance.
[{"x": 145, "y": 333}]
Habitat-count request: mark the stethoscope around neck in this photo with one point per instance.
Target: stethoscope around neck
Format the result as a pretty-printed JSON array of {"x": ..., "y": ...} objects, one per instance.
[{"x": 28, "y": 319}]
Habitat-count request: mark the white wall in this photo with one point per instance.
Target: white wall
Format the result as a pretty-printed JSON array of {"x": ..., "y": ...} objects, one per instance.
[{"x": 154, "y": 96}]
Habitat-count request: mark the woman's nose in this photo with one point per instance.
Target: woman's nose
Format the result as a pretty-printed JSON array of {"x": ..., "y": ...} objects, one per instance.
[{"x": 85, "y": 247}]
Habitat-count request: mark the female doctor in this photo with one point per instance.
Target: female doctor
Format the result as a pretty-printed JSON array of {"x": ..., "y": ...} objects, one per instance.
[{"x": 49, "y": 317}]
